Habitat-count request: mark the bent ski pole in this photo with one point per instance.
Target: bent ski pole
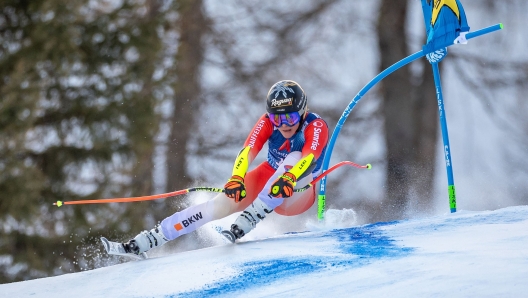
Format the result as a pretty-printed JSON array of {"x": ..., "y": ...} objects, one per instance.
[
  {"x": 139, "y": 199},
  {"x": 209, "y": 189},
  {"x": 332, "y": 168}
]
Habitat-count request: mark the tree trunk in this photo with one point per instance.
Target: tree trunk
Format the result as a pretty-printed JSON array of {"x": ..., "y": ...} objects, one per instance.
[
  {"x": 425, "y": 141},
  {"x": 187, "y": 90},
  {"x": 397, "y": 108},
  {"x": 411, "y": 121}
]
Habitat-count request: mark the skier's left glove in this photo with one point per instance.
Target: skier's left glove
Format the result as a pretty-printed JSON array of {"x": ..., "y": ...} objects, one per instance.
[{"x": 283, "y": 186}]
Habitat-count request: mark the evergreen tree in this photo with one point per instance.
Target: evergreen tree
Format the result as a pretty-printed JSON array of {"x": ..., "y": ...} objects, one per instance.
[{"x": 77, "y": 121}]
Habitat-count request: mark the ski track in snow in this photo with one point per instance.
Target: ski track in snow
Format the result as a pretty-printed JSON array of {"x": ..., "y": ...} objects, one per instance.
[
  {"x": 464, "y": 254},
  {"x": 356, "y": 247}
]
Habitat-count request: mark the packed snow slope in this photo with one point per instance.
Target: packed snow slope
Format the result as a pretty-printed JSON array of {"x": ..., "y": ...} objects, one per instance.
[{"x": 465, "y": 254}]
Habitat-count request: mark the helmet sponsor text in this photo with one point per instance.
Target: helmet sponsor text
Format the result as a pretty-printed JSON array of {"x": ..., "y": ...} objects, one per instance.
[{"x": 277, "y": 103}]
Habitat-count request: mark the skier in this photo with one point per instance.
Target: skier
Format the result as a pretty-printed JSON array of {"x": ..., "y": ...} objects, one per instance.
[{"x": 297, "y": 142}]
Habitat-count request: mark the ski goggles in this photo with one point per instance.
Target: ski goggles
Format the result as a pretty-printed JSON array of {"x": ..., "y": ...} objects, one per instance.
[{"x": 290, "y": 119}]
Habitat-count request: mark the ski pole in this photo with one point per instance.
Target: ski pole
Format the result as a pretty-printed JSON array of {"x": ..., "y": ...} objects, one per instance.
[
  {"x": 209, "y": 189},
  {"x": 139, "y": 199},
  {"x": 331, "y": 169}
]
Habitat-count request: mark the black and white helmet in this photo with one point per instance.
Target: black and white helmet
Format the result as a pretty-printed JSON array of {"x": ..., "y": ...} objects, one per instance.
[{"x": 286, "y": 97}]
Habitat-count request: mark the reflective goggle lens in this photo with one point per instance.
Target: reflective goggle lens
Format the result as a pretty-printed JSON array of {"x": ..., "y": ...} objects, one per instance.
[{"x": 289, "y": 119}]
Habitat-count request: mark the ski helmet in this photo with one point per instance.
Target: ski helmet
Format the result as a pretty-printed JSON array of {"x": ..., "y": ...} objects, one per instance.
[{"x": 286, "y": 97}]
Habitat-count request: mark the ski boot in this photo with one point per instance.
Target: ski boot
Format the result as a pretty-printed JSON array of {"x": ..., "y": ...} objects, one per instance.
[
  {"x": 247, "y": 220},
  {"x": 145, "y": 241}
]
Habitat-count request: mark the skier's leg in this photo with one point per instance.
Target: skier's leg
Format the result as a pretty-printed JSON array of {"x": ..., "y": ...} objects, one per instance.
[
  {"x": 264, "y": 203},
  {"x": 183, "y": 222},
  {"x": 192, "y": 218}
]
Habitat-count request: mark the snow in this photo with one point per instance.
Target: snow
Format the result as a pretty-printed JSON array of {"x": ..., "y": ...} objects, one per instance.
[{"x": 463, "y": 254}]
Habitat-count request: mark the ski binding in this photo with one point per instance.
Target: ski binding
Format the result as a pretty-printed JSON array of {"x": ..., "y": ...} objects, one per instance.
[
  {"x": 118, "y": 249},
  {"x": 228, "y": 235}
]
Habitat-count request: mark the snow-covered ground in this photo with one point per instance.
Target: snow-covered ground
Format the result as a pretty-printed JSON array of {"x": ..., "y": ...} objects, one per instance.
[{"x": 465, "y": 254}]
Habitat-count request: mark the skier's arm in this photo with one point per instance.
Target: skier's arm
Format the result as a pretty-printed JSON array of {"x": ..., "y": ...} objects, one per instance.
[
  {"x": 316, "y": 137},
  {"x": 260, "y": 133}
]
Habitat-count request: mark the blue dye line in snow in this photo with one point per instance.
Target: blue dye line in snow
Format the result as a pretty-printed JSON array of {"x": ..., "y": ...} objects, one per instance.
[
  {"x": 359, "y": 246},
  {"x": 368, "y": 242}
]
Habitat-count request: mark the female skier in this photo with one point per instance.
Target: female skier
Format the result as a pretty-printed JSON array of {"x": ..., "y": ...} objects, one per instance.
[{"x": 297, "y": 142}]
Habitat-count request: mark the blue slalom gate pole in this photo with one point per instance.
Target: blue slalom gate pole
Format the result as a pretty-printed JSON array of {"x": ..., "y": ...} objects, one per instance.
[
  {"x": 445, "y": 138},
  {"x": 326, "y": 161},
  {"x": 321, "y": 198}
]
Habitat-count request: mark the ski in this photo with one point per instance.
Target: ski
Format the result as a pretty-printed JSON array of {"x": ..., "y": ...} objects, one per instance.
[
  {"x": 228, "y": 235},
  {"x": 118, "y": 249}
]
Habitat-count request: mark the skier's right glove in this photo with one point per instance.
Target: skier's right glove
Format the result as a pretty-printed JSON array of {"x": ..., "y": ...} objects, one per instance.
[{"x": 235, "y": 188}]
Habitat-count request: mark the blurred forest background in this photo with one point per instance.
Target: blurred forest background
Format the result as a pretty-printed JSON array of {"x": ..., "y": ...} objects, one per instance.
[{"x": 118, "y": 98}]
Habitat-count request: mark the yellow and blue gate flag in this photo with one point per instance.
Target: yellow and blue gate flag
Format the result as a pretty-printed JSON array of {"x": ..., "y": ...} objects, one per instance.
[{"x": 444, "y": 21}]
